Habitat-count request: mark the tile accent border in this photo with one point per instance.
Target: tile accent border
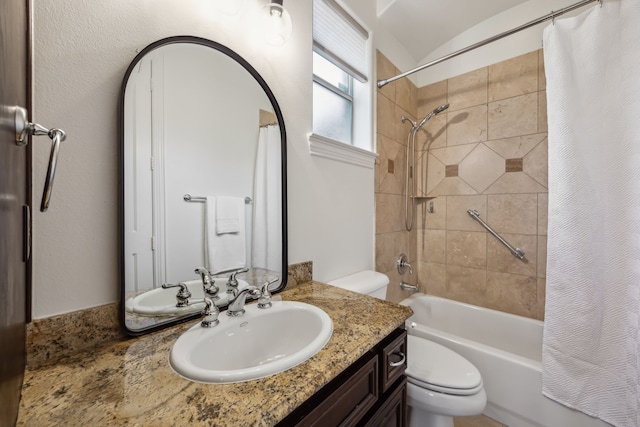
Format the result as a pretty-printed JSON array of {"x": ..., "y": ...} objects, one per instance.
[
  {"x": 513, "y": 165},
  {"x": 451, "y": 171}
]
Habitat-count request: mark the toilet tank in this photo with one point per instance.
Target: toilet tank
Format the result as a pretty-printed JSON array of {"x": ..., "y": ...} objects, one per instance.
[{"x": 364, "y": 282}]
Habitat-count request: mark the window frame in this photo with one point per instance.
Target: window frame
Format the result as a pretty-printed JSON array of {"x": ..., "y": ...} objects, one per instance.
[{"x": 362, "y": 102}]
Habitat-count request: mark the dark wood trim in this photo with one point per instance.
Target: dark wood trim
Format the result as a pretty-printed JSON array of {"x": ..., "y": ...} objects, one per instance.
[{"x": 29, "y": 166}]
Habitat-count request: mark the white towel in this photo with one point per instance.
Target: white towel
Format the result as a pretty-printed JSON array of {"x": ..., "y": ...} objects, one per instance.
[
  {"x": 591, "y": 345},
  {"x": 229, "y": 214},
  {"x": 228, "y": 250}
]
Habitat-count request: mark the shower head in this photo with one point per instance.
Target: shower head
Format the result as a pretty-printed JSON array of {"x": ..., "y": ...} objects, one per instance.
[
  {"x": 440, "y": 109},
  {"x": 435, "y": 112}
]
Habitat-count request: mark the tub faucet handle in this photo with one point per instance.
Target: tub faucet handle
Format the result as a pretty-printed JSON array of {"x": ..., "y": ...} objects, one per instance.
[{"x": 403, "y": 264}]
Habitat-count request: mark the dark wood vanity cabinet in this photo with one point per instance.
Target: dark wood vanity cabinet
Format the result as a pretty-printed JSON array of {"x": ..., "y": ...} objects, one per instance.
[{"x": 372, "y": 392}]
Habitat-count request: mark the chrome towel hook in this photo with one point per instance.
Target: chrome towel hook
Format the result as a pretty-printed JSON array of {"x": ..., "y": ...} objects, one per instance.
[{"x": 23, "y": 128}]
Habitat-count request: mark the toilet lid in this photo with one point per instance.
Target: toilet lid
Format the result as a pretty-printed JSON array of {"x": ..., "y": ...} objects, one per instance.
[{"x": 435, "y": 367}]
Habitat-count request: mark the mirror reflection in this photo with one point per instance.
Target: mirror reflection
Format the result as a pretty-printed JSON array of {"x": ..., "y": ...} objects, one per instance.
[{"x": 203, "y": 182}]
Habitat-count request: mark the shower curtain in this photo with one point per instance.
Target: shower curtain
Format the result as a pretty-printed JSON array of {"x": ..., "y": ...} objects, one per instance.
[
  {"x": 591, "y": 346},
  {"x": 267, "y": 202}
]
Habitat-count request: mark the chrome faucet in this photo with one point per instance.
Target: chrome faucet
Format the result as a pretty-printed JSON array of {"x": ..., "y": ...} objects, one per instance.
[
  {"x": 236, "y": 303},
  {"x": 409, "y": 287},
  {"x": 233, "y": 282},
  {"x": 208, "y": 283},
  {"x": 183, "y": 294},
  {"x": 403, "y": 264}
]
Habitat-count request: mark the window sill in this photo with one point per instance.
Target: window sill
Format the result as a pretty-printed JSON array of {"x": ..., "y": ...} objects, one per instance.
[{"x": 331, "y": 149}]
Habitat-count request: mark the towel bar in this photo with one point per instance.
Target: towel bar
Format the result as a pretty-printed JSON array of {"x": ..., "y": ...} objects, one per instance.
[{"x": 189, "y": 198}]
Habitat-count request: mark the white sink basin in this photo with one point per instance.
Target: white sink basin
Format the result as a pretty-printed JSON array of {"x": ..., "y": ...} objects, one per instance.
[
  {"x": 260, "y": 343},
  {"x": 162, "y": 302}
]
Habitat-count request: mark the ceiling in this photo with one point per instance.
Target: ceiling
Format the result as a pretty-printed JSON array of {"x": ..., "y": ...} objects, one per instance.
[{"x": 423, "y": 25}]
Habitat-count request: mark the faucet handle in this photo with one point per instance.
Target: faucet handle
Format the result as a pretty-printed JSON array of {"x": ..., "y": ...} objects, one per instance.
[
  {"x": 183, "y": 294},
  {"x": 264, "y": 300},
  {"x": 210, "y": 313}
]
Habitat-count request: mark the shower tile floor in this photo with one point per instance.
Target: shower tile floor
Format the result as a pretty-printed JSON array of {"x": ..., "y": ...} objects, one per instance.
[{"x": 477, "y": 421}]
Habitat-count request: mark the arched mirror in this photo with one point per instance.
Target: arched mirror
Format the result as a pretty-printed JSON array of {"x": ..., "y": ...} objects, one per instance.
[{"x": 203, "y": 182}]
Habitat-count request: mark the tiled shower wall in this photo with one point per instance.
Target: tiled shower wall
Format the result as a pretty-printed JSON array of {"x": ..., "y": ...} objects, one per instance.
[{"x": 487, "y": 152}]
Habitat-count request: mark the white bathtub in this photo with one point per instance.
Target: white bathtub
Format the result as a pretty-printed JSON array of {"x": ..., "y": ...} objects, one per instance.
[{"x": 506, "y": 349}]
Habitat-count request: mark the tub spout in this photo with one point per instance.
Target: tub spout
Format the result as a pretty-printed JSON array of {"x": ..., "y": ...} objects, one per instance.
[{"x": 409, "y": 287}]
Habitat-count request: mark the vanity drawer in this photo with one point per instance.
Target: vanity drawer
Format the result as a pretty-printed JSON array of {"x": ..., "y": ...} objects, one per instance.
[
  {"x": 350, "y": 402},
  {"x": 393, "y": 360}
]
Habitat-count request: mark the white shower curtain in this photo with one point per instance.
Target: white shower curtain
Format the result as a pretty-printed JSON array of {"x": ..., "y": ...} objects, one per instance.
[
  {"x": 591, "y": 351},
  {"x": 267, "y": 202}
]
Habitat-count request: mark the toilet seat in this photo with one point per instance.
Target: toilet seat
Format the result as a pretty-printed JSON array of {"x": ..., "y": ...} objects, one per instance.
[{"x": 441, "y": 369}]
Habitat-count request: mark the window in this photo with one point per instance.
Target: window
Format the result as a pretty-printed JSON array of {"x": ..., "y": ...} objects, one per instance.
[
  {"x": 342, "y": 93},
  {"x": 332, "y": 101}
]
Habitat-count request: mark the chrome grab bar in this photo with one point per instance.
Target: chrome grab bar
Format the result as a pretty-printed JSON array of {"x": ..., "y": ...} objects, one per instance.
[{"x": 516, "y": 252}]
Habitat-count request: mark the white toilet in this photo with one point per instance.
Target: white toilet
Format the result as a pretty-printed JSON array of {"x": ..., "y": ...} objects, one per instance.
[
  {"x": 441, "y": 383},
  {"x": 364, "y": 282}
]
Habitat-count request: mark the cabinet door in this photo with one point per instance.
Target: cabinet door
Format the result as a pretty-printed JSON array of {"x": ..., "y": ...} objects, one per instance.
[
  {"x": 350, "y": 402},
  {"x": 393, "y": 413}
]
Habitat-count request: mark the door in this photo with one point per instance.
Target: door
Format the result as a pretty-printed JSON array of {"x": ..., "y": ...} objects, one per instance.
[
  {"x": 14, "y": 216},
  {"x": 139, "y": 166}
]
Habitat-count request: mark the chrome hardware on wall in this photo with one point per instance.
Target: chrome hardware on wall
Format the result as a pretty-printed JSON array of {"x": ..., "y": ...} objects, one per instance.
[
  {"x": 23, "y": 128},
  {"x": 516, "y": 252},
  {"x": 403, "y": 264},
  {"x": 409, "y": 287}
]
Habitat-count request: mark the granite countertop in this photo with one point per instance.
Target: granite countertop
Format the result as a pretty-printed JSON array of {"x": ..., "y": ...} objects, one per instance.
[{"x": 131, "y": 382}]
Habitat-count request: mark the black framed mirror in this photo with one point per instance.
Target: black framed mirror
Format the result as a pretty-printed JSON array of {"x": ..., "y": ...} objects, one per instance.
[{"x": 202, "y": 182}]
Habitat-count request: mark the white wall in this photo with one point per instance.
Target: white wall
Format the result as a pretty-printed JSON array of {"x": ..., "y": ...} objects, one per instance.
[{"x": 81, "y": 51}]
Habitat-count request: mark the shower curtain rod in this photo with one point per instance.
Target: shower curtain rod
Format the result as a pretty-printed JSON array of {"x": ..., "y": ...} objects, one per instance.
[{"x": 529, "y": 24}]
